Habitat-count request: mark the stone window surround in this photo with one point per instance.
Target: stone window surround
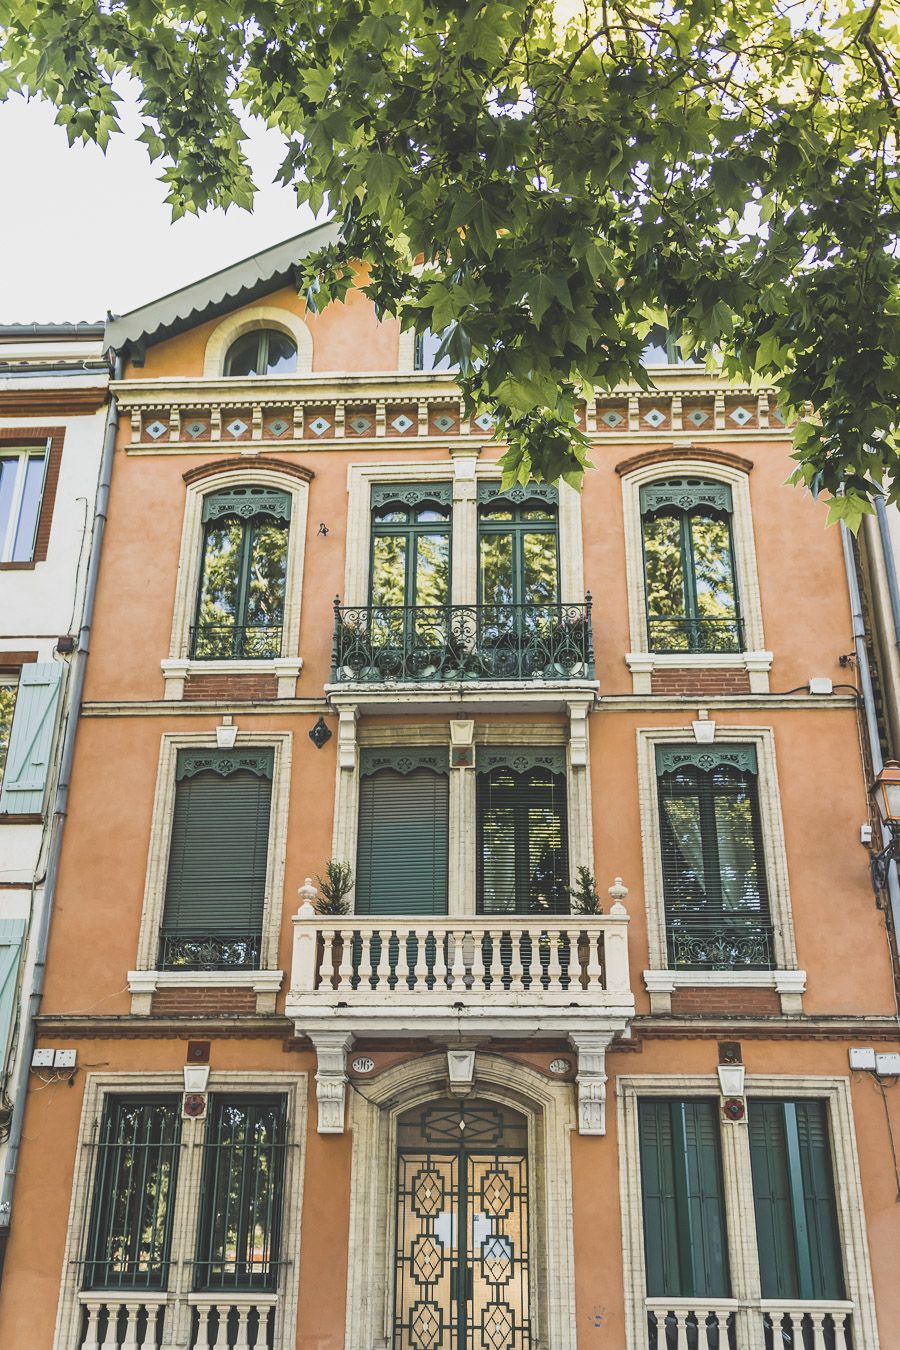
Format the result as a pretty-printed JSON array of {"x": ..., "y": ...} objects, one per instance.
[
  {"x": 146, "y": 979},
  {"x": 462, "y": 875},
  {"x": 739, "y": 1210},
  {"x": 464, "y": 471},
  {"x": 186, "y": 1210},
  {"x": 756, "y": 661},
  {"x": 549, "y": 1109},
  {"x": 660, "y": 981},
  {"x": 285, "y": 668},
  {"x": 246, "y": 320}
]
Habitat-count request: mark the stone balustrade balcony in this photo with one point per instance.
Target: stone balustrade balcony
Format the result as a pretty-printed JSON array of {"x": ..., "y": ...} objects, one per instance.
[{"x": 720, "y": 1323}]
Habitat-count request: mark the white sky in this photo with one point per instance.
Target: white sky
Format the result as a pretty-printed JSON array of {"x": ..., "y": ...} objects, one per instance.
[{"x": 83, "y": 232}]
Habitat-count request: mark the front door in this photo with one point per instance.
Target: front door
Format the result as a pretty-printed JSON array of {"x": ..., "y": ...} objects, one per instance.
[{"x": 462, "y": 1229}]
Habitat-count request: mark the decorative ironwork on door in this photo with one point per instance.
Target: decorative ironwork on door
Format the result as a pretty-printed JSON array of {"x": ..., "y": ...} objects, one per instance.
[{"x": 462, "y": 1229}]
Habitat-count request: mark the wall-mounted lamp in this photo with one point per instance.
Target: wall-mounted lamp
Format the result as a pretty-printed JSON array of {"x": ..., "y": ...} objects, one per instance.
[
  {"x": 320, "y": 733},
  {"x": 730, "y": 1069},
  {"x": 886, "y": 796},
  {"x": 323, "y": 528}
]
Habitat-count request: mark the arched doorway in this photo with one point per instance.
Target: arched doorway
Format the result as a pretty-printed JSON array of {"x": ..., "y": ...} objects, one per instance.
[{"x": 462, "y": 1228}]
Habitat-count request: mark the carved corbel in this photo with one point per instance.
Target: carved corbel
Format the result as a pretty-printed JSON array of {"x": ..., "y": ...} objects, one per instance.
[
  {"x": 331, "y": 1078},
  {"x": 591, "y": 1080},
  {"x": 578, "y": 732},
  {"x": 347, "y": 736}
]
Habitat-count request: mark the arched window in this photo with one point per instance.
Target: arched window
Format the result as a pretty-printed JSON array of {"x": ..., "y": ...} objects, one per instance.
[
  {"x": 264, "y": 351},
  {"x": 689, "y": 575},
  {"x": 240, "y": 604}
]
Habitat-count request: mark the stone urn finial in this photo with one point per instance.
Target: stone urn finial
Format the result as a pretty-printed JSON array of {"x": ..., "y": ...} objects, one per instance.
[
  {"x": 308, "y": 895},
  {"x": 617, "y": 893}
]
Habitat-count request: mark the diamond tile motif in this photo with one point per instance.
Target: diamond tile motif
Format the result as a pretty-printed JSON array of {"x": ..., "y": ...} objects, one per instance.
[
  {"x": 278, "y": 426},
  {"x": 195, "y": 428},
  {"x": 741, "y": 415},
  {"x": 697, "y": 417},
  {"x": 497, "y": 1192},
  {"x": 485, "y": 421},
  {"x": 497, "y": 1326},
  {"x": 778, "y": 415},
  {"x": 156, "y": 429},
  {"x": 654, "y": 418},
  {"x": 401, "y": 423},
  {"x": 319, "y": 425},
  {"x": 425, "y": 1329},
  {"x": 612, "y": 418},
  {"x": 427, "y": 1258},
  {"x": 237, "y": 427},
  {"x": 360, "y": 424},
  {"x": 427, "y": 1192},
  {"x": 443, "y": 422}
]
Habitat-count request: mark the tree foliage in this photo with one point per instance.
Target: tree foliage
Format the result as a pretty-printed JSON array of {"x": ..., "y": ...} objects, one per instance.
[{"x": 570, "y": 173}]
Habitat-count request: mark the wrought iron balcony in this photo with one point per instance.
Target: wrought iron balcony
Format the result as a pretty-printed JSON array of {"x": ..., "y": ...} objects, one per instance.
[
  {"x": 235, "y": 642},
  {"x": 707, "y": 635},
  {"x": 443, "y": 643},
  {"x": 217, "y": 950},
  {"x": 724, "y": 945}
]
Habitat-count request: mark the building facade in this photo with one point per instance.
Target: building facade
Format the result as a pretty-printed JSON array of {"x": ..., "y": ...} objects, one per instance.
[
  {"x": 556, "y": 1052},
  {"x": 53, "y": 389}
]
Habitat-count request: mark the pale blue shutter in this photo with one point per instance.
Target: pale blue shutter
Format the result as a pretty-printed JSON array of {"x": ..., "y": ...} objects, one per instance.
[
  {"x": 30, "y": 750},
  {"x": 11, "y": 934}
]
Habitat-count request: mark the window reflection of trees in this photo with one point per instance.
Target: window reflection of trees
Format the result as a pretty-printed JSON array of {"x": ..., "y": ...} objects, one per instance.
[
  {"x": 241, "y": 605},
  {"x": 518, "y": 555},
  {"x": 690, "y": 583}
]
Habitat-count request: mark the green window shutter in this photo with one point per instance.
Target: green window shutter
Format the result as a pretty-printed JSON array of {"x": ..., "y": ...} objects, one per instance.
[
  {"x": 31, "y": 739},
  {"x": 684, "y": 1212},
  {"x": 404, "y": 841},
  {"x": 12, "y": 932},
  {"x": 793, "y": 1196},
  {"x": 216, "y": 880}
]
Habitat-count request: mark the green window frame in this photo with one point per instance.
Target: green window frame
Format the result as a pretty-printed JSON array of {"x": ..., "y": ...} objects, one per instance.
[
  {"x": 239, "y": 1233},
  {"x": 133, "y": 1194},
  {"x": 218, "y": 857},
  {"x": 797, "y": 1231},
  {"x": 241, "y": 594},
  {"x": 522, "y": 834},
  {"x": 713, "y": 862},
  {"x": 403, "y": 841},
  {"x": 518, "y": 548},
  {"x": 264, "y": 351},
  {"x": 685, "y": 1235},
  {"x": 690, "y": 579},
  {"x": 407, "y": 520}
]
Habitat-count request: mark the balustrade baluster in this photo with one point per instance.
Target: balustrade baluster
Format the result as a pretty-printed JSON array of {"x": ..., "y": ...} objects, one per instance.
[
  {"x": 365, "y": 958},
  {"x": 91, "y": 1334},
  {"x": 516, "y": 969},
  {"x": 458, "y": 966},
  {"x": 496, "y": 937},
  {"x": 326, "y": 969},
  {"x": 554, "y": 968},
  {"x": 242, "y": 1339},
  {"x": 204, "y": 1325},
  {"x": 817, "y": 1324},
  {"x": 478, "y": 984},
  {"x": 402, "y": 959},
  {"x": 345, "y": 969},
  {"x": 594, "y": 968},
  {"x": 383, "y": 974},
  {"x": 440, "y": 962},
  {"x": 420, "y": 972},
  {"x": 130, "y": 1340}
]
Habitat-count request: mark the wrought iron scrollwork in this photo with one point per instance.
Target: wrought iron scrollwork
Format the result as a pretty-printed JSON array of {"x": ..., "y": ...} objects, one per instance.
[
  {"x": 228, "y": 642},
  {"x": 383, "y": 643},
  {"x": 209, "y": 951},
  {"x": 682, "y": 634},
  {"x": 720, "y": 946}
]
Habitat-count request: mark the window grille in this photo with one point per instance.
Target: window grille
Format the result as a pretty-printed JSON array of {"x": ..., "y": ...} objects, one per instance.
[
  {"x": 239, "y": 1235},
  {"x": 714, "y": 878},
  {"x": 133, "y": 1194}
]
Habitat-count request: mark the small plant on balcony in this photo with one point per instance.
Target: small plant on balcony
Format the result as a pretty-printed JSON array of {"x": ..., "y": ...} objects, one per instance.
[
  {"x": 335, "y": 886},
  {"x": 585, "y": 899}
]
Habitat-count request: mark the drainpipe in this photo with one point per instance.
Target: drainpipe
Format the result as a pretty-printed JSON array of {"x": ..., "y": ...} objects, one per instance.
[
  {"x": 865, "y": 680},
  {"x": 39, "y": 937},
  {"x": 890, "y": 566}
]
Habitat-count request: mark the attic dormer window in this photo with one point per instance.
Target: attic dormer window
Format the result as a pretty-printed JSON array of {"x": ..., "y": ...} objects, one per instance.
[{"x": 265, "y": 351}]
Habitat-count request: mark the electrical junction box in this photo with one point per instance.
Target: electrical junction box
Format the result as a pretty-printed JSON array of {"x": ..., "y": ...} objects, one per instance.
[
  {"x": 42, "y": 1059},
  {"x": 885, "y": 1065},
  {"x": 862, "y": 1059},
  {"x": 64, "y": 1059},
  {"x": 820, "y": 684}
]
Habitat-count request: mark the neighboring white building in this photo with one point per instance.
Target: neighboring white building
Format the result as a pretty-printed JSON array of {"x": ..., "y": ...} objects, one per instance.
[
  {"x": 53, "y": 394},
  {"x": 879, "y": 553}
]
